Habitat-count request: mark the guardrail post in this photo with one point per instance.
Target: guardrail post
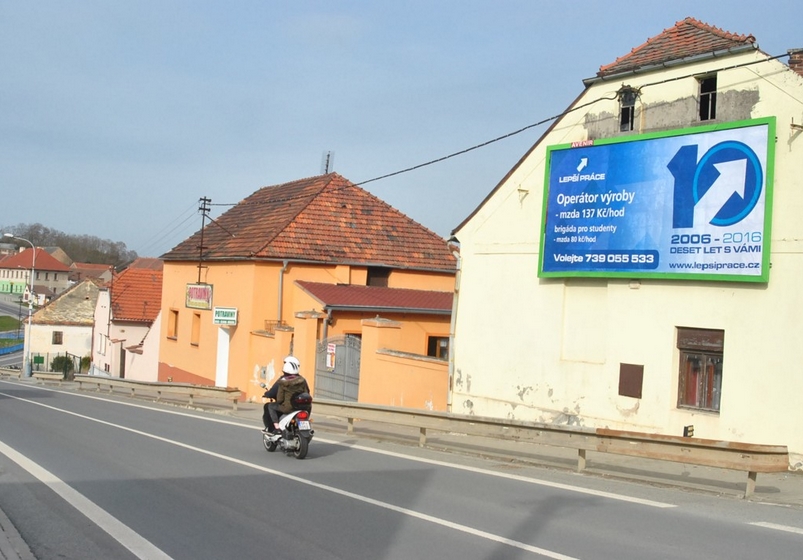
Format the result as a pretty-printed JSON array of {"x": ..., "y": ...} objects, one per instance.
[
  {"x": 581, "y": 460},
  {"x": 750, "y": 487},
  {"x": 350, "y": 429},
  {"x": 191, "y": 403},
  {"x": 422, "y": 437}
]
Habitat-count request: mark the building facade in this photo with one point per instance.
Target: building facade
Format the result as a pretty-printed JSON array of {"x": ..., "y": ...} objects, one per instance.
[
  {"x": 64, "y": 328},
  {"x": 639, "y": 267},
  {"x": 256, "y": 293},
  {"x": 127, "y": 325},
  {"x": 50, "y": 276}
]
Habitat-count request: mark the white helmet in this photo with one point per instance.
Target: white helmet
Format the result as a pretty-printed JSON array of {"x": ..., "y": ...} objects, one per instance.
[{"x": 291, "y": 365}]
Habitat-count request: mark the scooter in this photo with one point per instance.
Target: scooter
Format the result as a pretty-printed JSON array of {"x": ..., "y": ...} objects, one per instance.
[{"x": 296, "y": 431}]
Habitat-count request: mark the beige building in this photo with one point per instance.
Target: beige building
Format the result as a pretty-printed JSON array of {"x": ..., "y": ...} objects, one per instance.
[{"x": 639, "y": 267}]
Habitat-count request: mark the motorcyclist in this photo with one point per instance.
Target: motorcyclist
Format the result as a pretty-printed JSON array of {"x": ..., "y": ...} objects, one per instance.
[{"x": 290, "y": 384}]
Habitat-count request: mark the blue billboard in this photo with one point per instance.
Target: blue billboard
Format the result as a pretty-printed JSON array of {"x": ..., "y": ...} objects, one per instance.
[{"x": 686, "y": 204}]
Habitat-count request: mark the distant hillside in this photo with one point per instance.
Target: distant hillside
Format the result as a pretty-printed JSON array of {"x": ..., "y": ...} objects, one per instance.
[{"x": 80, "y": 248}]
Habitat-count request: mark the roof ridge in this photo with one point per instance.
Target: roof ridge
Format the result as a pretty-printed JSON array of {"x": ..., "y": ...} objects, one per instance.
[
  {"x": 326, "y": 219},
  {"x": 718, "y": 30}
]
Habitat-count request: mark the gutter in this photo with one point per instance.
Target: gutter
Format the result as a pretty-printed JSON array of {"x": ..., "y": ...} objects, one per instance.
[
  {"x": 281, "y": 289},
  {"x": 671, "y": 64},
  {"x": 374, "y": 309}
]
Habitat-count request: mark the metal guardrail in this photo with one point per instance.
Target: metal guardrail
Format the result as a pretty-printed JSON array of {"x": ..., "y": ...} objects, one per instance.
[
  {"x": 747, "y": 457},
  {"x": 185, "y": 389},
  {"x": 42, "y": 376},
  {"x": 11, "y": 372}
]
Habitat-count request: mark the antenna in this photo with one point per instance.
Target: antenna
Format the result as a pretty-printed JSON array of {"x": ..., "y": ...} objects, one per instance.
[
  {"x": 327, "y": 162},
  {"x": 203, "y": 209}
]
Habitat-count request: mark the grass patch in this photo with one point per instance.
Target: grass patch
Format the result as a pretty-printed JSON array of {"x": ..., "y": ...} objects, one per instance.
[{"x": 8, "y": 323}]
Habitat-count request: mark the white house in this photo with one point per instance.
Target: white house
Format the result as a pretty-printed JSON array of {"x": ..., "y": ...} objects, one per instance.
[
  {"x": 64, "y": 327},
  {"x": 639, "y": 267},
  {"x": 127, "y": 323}
]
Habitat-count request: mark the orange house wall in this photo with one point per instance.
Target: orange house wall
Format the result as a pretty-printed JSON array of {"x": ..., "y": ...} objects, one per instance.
[
  {"x": 253, "y": 288},
  {"x": 397, "y": 380}
]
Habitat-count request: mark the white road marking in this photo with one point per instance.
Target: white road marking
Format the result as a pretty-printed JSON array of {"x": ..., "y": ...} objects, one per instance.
[
  {"x": 777, "y": 527},
  {"x": 404, "y": 511},
  {"x": 123, "y": 534},
  {"x": 518, "y": 478},
  {"x": 477, "y": 470}
]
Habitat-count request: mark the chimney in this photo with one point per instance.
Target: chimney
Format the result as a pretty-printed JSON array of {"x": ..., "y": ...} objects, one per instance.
[{"x": 796, "y": 60}]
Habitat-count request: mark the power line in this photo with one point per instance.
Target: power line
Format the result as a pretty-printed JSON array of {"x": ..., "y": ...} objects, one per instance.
[{"x": 516, "y": 132}]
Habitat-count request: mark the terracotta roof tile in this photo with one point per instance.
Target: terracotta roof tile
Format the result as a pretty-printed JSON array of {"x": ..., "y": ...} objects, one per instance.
[
  {"x": 136, "y": 295},
  {"x": 44, "y": 261},
  {"x": 687, "y": 38},
  {"x": 150, "y": 263},
  {"x": 323, "y": 219},
  {"x": 372, "y": 298}
]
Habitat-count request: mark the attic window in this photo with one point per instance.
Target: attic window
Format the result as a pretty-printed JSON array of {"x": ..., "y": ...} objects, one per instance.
[
  {"x": 377, "y": 276},
  {"x": 627, "y": 107},
  {"x": 708, "y": 97}
]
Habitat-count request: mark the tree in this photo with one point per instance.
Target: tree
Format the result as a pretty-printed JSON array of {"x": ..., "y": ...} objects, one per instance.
[{"x": 80, "y": 248}]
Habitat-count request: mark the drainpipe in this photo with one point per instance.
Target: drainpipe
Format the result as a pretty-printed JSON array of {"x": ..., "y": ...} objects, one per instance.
[
  {"x": 281, "y": 290},
  {"x": 452, "y": 331},
  {"x": 326, "y": 323}
]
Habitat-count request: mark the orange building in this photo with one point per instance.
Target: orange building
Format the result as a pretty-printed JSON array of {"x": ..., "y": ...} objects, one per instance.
[{"x": 321, "y": 269}]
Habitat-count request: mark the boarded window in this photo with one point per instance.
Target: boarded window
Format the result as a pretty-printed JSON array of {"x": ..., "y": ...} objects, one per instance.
[
  {"x": 196, "y": 329},
  {"x": 172, "y": 324}
]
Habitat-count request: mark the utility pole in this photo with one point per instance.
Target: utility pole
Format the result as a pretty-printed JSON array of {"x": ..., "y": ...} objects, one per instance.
[{"x": 203, "y": 209}]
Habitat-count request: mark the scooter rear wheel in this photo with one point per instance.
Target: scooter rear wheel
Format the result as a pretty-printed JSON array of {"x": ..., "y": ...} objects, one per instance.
[
  {"x": 301, "y": 449},
  {"x": 270, "y": 446}
]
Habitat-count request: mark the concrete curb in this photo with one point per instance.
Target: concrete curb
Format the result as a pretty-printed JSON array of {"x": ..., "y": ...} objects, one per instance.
[{"x": 12, "y": 547}]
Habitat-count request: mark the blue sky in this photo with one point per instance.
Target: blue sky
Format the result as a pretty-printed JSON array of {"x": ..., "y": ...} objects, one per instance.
[{"x": 116, "y": 117}]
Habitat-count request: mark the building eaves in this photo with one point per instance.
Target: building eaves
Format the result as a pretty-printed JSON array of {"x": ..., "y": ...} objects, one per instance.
[{"x": 378, "y": 299}]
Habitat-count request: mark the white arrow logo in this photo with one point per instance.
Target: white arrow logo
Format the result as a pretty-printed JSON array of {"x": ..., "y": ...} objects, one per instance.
[
  {"x": 731, "y": 180},
  {"x": 583, "y": 164}
]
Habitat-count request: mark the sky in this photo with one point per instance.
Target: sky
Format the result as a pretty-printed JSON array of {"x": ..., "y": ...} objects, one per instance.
[{"x": 117, "y": 117}]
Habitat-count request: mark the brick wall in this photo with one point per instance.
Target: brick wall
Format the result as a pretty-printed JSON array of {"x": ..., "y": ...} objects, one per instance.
[{"x": 796, "y": 60}]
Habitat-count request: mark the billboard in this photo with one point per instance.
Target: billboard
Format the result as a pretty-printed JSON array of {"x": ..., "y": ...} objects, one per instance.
[{"x": 684, "y": 204}]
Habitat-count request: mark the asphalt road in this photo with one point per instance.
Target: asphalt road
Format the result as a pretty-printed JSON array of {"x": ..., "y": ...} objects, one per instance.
[
  {"x": 89, "y": 477},
  {"x": 11, "y": 307}
]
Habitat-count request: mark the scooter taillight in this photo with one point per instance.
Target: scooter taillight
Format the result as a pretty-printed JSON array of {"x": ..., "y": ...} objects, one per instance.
[{"x": 303, "y": 415}]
